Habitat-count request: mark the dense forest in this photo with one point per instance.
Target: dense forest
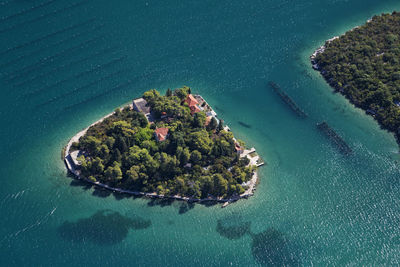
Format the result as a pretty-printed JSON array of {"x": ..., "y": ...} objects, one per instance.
[
  {"x": 364, "y": 65},
  {"x": 196, "y": 159}
]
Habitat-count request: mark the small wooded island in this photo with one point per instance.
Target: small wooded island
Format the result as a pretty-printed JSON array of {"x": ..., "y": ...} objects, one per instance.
[
  {"x": 171, "y": 146},
  {"x": 364, "y": 65}
]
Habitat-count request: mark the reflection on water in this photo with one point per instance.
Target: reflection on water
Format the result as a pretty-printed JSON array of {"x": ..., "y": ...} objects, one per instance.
[{"x": 105, "y": 227}]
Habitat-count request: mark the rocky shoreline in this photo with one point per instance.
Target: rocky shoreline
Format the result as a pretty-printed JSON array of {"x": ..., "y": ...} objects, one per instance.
[
  {"x": 340, "y": 89},
  {"x": 324, "y": 73},
  {"x": 76, "y": 173}
]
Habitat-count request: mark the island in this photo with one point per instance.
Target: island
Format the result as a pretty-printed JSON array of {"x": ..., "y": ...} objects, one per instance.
[
  {"x": 165, "y": 146},
  {"x": 364, "y": 66}
]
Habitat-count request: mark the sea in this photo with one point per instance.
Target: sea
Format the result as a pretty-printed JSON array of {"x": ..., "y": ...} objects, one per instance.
[{"x": 65, "y": 64}]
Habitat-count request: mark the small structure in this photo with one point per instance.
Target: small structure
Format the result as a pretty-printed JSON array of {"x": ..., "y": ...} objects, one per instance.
[
  {"x": 188, "y": 165},
  {"x": 212, "y": 114},
  {"x": 371, "y": 112},
  {"x": 161, "y": 134},
  {"x": 208, "y": 120},
  {"x": 164, "y": 115},
  {"x": 74, "y": 158},
  {"x": 239, "y": 149}
]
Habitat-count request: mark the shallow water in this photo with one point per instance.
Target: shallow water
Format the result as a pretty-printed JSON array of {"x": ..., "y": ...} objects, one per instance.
[{"x": 65, "y": 64}]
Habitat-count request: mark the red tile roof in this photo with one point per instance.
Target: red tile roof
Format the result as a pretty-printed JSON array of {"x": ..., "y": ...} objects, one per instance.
[
  {"x": 208, "y": 120},
  {"x": 191, "y": 101},
  {"x": 238, "y": 147},
  {"x": 194, "y": 109},
  {"x": 161, "y": 133}
]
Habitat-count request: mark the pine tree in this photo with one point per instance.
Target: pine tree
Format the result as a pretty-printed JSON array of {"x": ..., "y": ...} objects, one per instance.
[{"x": 220, "y": 126}]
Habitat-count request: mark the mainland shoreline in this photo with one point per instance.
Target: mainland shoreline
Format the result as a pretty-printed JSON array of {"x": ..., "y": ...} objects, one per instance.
[{"x": 339, "y": 88}]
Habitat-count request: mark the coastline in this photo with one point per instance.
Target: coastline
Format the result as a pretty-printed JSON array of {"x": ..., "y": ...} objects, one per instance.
[
  {"x": 322, "y": 48},
  {"x": 76, "y": 173},
  {"x": 340, "y": 89}
]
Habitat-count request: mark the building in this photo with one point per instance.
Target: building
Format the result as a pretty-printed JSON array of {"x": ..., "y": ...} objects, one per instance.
[
  {"x": 193, "y": 104},
  {"x": 191, "y": 100},
  {"x": 194, "y": 109},
  {"x": 140, "y": 105},
  {"x": 161, "y": 134},
  {"x": 239, "y": 149}
]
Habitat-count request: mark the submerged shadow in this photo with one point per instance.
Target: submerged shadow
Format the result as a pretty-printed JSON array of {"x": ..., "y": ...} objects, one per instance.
[
  {"x": 209, "y": 203},
  {"x": 120, "y": 196},
  {"x": 105, "y": 227},
  {"x": 78, "y": 183},
  {"x": 233, "y": 227},
  {"x": 244, "y": 124},
  {"x": 162, "y": 202},
  {"x": 100, "y": 192},
  {"x": 270, "y": 248},
  {"x": 185, "y": 207}
]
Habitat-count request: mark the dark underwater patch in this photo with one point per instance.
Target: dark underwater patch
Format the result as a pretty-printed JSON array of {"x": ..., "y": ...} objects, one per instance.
[
  {"x": 233, "y": 227},
  {"x": 105, "y": 227},
  {"x": 270, "y": 248},
  {"x": 244, "y": 124}
]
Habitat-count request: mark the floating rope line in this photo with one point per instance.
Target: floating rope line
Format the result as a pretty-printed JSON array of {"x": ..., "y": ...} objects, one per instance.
[{"x": 47, "y": 36}]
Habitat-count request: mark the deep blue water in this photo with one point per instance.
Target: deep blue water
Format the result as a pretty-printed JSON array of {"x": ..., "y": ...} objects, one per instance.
[{"x": 64, "y": 64}]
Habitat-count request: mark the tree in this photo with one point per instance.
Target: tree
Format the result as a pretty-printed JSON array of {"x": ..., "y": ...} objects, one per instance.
[
  {"x": 151, "y": 95},
  {"x": 150, "y": 145},
  {"x": 116, "y": 155},
  {"x": 176, "y": 140},
  {"x": 133, "y": 173},
  {"x": 120, "y": 144},
  {"x": 143, "y": 134},
  {"x": 110, "y": 142},
  {"x": 199, "y": 119},
  {"x": 180, "y": 185},
  {"x": 90, "y": 143},
  {"x": 104, "y": 151},
  {"x": 167, "y": 165},
  {"x": 139, "y": 119},
  {"x": 220, "y": 185},
  {"x": 220, "y": 126},
  {"x": 169, "y": 93},
  {"x": 206, "y": 185},
  {"x": 114, "y": 173},
  {"x": 200, "y": 141},
  {"x": 160, "y": 190},
  {"x": 182, "y": 92},
  {"x": 97, "y": 166},
  {"x": 185, "y": 156},
  {"x": 195, "y": 157},
  {"x": 213, "y": 124}
]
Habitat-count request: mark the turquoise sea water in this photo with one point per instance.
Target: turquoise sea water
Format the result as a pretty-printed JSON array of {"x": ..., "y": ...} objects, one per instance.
[{"x": 65, "y": 64}]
